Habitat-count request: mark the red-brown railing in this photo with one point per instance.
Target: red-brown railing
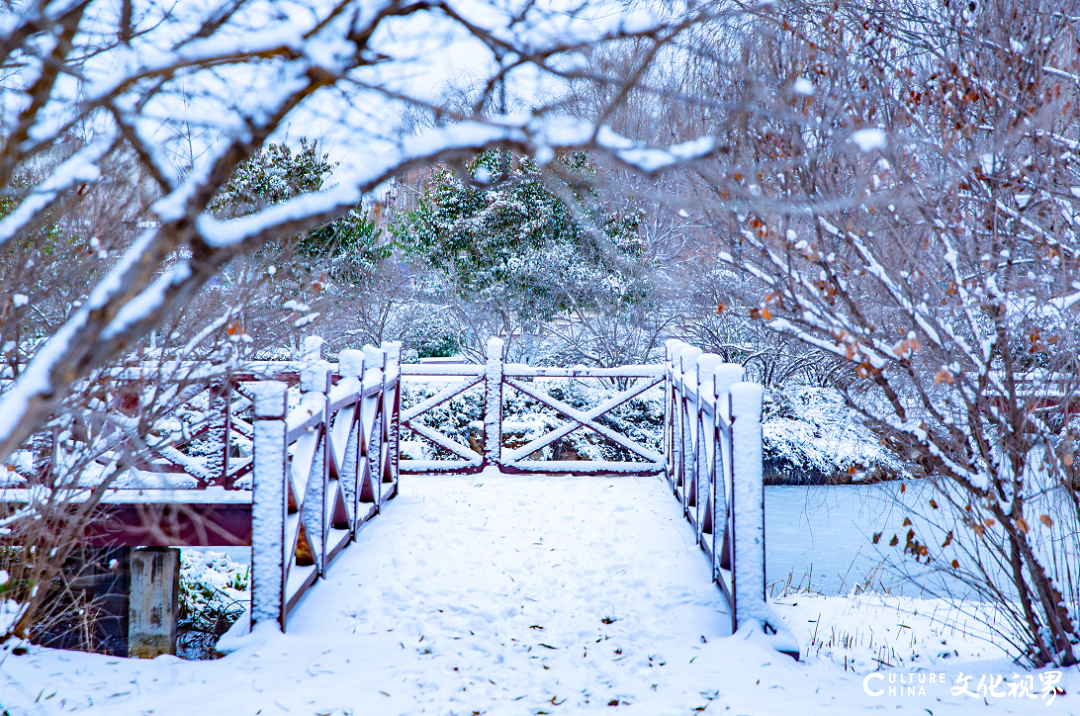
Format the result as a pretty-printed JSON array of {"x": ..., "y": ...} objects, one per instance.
[
  {"x": 714, "y": 466},
  {"x": 322, "y": 470},
  {"x": 494, "y": 377}
]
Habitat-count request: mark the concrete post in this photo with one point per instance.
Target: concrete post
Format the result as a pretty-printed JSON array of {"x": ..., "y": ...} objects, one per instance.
[{"x": 153, "y": 608}]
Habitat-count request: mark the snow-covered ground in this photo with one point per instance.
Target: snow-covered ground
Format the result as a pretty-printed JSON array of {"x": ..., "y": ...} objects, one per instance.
[{"x": 495, "y": 594}]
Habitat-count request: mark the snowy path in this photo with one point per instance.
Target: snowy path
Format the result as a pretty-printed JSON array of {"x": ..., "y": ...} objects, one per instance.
[{"x": 488, "y": 595}]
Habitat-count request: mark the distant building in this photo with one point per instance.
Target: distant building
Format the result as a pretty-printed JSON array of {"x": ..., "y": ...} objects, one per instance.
[{"x": 402, "y": 193}]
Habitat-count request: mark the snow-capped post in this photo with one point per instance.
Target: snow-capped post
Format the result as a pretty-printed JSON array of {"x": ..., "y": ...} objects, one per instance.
[
  {"x": 748, "y": 506},
  {"x": 393, "y": 408},
  {"x": 680, "y": 417},
  {"x": 672, "y": 350},
  {"x": 688, "y": 362},
  {"x": 709, "y": 470},
  {"x": 351, "y": 368},
  {"x": 375, "y": 359},
  {"x": 671, "y": 409},
  {"x": 749, "y": 606},
  {"x": 493, "y": 406},
  {"x": 314, "y": 390},
  {"x": 727, "y": 375},
  {"x": 269, "y": 504},
  {"x": 695, "y": 440},
  {"x": 312, "y": 352}
]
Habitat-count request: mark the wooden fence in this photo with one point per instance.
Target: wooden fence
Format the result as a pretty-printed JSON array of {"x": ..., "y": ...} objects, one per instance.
[
  {"x": 322, "y": 471},
  {"x": 494, "y": 377},
  {"x": 713, "y": 445},
  {"x": 712, "y": 459}
]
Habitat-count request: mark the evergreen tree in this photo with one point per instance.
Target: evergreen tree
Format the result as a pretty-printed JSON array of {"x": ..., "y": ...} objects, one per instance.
[
  {"x": 346, "y": 252},
  {"x": 526, "y": 239}
]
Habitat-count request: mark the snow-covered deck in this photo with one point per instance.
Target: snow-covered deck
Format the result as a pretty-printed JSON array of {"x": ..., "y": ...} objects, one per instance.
[
  {"x": 483, "y": 593},
  {"x": 492, "y": 594}
]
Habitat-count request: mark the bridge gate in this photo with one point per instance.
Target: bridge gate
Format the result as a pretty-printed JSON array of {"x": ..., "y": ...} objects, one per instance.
[{"x": 348, "y": 436}]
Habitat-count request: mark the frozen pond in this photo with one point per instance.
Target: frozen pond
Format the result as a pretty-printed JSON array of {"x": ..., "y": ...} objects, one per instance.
[{"x": 820, "y": 535}]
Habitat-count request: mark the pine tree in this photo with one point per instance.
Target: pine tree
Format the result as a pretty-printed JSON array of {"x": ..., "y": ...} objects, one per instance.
[
  {"x": 537, "y": 242},
  {"x": 345, "y": 252}
]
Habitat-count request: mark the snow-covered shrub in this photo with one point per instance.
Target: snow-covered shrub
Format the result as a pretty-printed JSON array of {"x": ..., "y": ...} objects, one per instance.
[
  {"x": 811, "y": 435},
  {"x": 434, "y": 335},
  {"x": 536, "y": 241},
  {"x": 214, "y": 593}
]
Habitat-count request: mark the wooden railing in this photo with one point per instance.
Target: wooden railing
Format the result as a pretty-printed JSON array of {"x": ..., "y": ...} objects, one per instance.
[
  {"x": 222, "y": 395},
  {"x": 714, "y": 466},
  {"x": 322, "y": 470},
  {"x": 494, "y": 377}
]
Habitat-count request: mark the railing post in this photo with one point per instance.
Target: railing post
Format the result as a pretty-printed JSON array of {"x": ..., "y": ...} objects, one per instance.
[
  {"x": 351, "y": 368},
  {"x": 727, "y": 374},
  {"x": 493, "y": 404},
  {"x": 220, "y": 409},
  {"x": 315, "y": 380},
  {"x": 687, "y": 362},
  {"x": 698, "y": 436},
  {"x": 376, "y": 358},
  {"x": 678, "y": 426},
  {"x": 269, "y": 504},
  {"x": 710, "y": 468},
  {"x": 671, "y": 351},
  {"x": 748, "y": 506},
  {"x": 393, "y": 416}
]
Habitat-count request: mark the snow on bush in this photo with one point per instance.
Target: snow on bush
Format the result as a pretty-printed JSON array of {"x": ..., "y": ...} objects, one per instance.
[
  {"x": 214, "y": 592},
  {"x": 811, "y": 435}
]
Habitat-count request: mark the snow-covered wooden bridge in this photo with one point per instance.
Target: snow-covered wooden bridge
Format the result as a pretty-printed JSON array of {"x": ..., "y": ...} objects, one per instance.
[{"x": 325, "y": 461}]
